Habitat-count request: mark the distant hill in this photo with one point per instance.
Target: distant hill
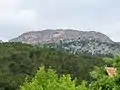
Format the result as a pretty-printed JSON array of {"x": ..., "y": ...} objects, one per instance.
[
  {"x": 74, "y": 41},
  {"x": 45, "y": 36},
  {"x": 87, "y": 46}
]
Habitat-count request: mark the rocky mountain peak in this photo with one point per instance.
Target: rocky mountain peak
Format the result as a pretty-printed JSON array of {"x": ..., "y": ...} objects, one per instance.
[{"x": 49, "y": 36}]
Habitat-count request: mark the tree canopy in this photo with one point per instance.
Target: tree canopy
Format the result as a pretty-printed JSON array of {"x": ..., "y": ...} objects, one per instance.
[
  {"x": 102, "y": 80},
  {"x": 49, "y": 80},
  {"x": 19, "y": 61}
]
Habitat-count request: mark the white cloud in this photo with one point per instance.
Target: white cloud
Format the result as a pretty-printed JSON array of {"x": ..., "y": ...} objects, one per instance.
[
  {"x": 27, "y": 18},
  {"x": 10, "y": 13},
  {"x": 9, "y": 5},
  {"x": 17, "y": 16},
  {"x": 14, "y": 19},
  {"x": 8, "y": 9}
]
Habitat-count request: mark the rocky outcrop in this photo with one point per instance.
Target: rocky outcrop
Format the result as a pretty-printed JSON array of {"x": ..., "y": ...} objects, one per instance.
[
  {"x": 74, "y": 41},
  {"x": 49, "y": 36},
  {"x": 90, "y": 46}
]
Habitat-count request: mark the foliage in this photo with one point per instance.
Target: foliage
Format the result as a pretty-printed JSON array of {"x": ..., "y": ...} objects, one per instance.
[
  {"x": 102, "y": 81},
  {"x": 49, "y": 80},
  {"x": 18, "y": 61}
]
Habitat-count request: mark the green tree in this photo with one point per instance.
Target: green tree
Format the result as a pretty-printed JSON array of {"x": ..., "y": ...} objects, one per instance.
[
  {"x": 19, "y": 61},
  {"x": 102, "y": 81},
  {"x": 49, "y": 80}
]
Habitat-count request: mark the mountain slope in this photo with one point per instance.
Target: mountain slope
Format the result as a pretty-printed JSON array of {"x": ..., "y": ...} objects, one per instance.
[
  {"x": 88, "y": 46},
  {"x": 74, "y": 41},
  {"x": 20, "y": 61},
  {"x": 48, "y": 36}
]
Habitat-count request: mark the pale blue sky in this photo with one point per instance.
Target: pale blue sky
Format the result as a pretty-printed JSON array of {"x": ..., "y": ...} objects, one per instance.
[{"x": 19, "y": 16}]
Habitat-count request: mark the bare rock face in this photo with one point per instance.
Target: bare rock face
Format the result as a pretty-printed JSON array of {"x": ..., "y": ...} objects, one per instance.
[
  {"x": 49, "y": 36},
  {"x": 74, "y": 41}
]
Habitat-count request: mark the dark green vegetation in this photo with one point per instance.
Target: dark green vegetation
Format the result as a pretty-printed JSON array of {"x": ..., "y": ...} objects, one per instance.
[
  {"x": 18, "y": 61},
  {"x": 101, "y": 80},
  {"x": 49, "y": 80}
]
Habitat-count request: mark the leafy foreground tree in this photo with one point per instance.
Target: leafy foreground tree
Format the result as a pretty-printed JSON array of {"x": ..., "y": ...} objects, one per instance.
[
  {"x": 49, "y": 80},
  {"x": 102, "y": 81}
]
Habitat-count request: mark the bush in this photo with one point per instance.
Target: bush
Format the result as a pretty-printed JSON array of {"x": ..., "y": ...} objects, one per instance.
[{"x": 49, "y": 80}]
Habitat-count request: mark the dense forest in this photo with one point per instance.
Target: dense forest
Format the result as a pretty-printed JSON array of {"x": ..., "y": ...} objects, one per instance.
[
  {"x": 19, "y": 61},
  {"x": 102, "y": 79}
]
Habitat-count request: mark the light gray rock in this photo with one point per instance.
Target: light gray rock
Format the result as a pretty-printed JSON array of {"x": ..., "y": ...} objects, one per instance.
[
  {"x": 45, "y": 36},
  {"x": 74, "y": 41}
]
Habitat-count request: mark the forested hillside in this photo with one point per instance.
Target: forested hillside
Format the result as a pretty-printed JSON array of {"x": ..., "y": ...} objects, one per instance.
[
  {"x": 104, "y": 78},
  {"x": 19, "y": 61}
]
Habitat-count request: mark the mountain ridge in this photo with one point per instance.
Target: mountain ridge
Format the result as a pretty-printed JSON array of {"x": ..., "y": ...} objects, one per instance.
[
  {"x": 73, "y": 41},
  {"x": 49, "y": 35}
]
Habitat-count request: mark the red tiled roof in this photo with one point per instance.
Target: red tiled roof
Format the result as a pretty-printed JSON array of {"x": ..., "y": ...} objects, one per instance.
[{"x": 111, "y": 71}]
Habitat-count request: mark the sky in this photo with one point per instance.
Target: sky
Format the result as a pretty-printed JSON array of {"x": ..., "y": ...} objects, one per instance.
[{"x": 19, "y": 16}]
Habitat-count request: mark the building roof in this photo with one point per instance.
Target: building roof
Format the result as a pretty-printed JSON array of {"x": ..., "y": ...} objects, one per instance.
[{"x": 111, "y": 71}]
